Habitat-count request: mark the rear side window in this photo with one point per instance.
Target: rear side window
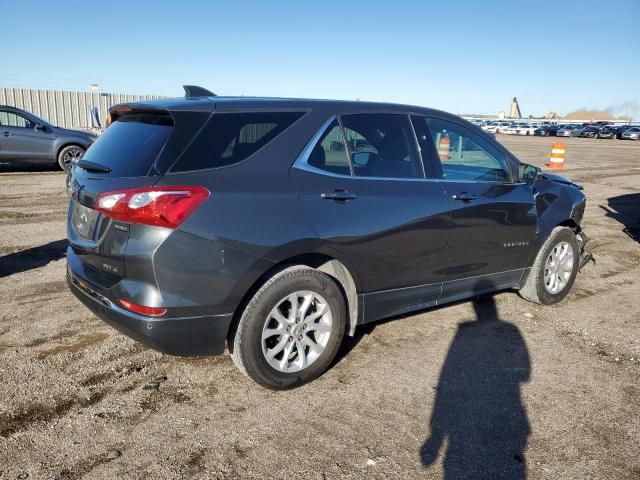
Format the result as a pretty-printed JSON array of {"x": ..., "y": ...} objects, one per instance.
[
  {"x": 229, "y": 138},
  {"x": 382, "y": 145},
  {"x": 131, "y": 144},
  {"x": 330, "y": 154}
]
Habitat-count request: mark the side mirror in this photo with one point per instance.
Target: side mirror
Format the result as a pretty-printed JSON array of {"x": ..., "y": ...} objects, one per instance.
[
  {"x": 360, "y": 158},
  {"x": 530, "y": 173},
  {"x": 40, "y": 128}
]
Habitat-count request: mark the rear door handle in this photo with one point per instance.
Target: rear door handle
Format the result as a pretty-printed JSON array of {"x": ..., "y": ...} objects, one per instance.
[
  {"x": 464, "y": 196},
  {"x": 7, "y": 134},
  {"x": 338, "y": 195}
]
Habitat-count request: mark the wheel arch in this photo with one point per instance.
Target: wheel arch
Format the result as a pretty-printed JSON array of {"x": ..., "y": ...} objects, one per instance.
[{"x": 327, "y": 264}]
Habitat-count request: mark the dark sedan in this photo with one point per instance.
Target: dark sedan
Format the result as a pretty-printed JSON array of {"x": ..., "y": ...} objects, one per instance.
[
  {"x": 586, "y": 132},
  {"x": 607, "y": 132},
  {"x": 546, "y": 130}
]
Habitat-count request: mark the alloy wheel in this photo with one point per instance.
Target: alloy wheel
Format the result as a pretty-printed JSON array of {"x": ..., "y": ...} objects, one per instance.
[
  {"x": 558, "y": 267},
  {"x": 72, "y": 156},
  {"x": 296, "y": 331}
]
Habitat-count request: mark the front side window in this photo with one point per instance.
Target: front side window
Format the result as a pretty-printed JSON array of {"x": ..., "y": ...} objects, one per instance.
[
  {"x": 381, "y": 145},
  {"x": 229, "y": 138},
  {"x": 466, "y": 156},
  {"x": 10, "y": 119}
]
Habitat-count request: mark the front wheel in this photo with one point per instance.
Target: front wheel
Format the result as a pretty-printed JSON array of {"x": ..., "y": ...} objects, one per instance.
[
  {"x": 554, "y": 269},
  {"x": 291, "y": 330},
  {"x": 69, "y": 156}
]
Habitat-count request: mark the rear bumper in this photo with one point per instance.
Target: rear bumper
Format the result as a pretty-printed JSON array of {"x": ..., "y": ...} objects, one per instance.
[{"x": 191, "y": 336}]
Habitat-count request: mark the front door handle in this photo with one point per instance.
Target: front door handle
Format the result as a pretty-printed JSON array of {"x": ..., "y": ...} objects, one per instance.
[
  {"x": 338, "y": 195},
  {"x": 7, "y": 134},
  {"x": 464, "y": 196}
]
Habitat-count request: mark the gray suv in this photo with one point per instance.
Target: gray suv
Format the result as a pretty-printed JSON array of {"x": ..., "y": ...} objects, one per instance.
[
  {"x": 275, "y": 227},
  {"x": 25, "y": 138}
]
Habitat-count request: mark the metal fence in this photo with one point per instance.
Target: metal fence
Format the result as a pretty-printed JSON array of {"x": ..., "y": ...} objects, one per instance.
[{"x": 66, "y": 109}]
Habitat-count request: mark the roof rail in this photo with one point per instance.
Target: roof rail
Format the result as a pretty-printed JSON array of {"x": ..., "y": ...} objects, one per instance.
[{"x": 193, "y": 91}]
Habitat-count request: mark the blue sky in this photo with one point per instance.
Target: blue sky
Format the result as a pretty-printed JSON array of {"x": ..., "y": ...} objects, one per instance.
[{"x": 460, "y": 56}]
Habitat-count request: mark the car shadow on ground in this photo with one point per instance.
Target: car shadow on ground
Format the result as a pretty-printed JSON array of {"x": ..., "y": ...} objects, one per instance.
[
  {"x": 626, "y": 210},
  {"x": 478, "y": 419},
  {"x": 31, "y": 258}
]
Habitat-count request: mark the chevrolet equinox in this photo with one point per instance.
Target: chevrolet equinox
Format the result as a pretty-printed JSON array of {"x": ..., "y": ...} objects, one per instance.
[{"x": 277, "y": 226}]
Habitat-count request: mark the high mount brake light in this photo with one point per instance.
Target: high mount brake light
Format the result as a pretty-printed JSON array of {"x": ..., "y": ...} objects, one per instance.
[{"x": 158, "y": 206}]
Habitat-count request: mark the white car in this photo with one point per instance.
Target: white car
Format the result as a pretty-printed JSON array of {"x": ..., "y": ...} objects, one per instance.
[
  {"x": 490, "y": 127},
  {"x": 498, "y": 127},
  {"x": 520, "y": 129},
  {"x": 510, "y": 130},
  {"x": 525, "y": 129}
]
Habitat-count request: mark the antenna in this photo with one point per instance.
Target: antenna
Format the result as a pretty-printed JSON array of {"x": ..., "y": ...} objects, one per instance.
[{"x": 193, "y": 91}]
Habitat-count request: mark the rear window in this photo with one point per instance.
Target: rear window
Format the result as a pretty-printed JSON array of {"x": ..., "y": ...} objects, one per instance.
[
  {"x": 131, "y": 144},
  {"x": 229, "y": 138}
]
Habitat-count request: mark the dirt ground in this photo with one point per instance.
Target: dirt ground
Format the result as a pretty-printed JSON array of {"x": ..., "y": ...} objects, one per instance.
[{"x": 498, "y": 388}]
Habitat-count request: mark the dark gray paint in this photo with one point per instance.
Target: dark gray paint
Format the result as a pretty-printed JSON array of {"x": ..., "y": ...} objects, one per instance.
[{"x": 405, "y": 243}]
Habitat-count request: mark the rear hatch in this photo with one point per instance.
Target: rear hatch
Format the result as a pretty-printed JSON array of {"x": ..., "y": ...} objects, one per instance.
[{"x": 133, "y": 152}]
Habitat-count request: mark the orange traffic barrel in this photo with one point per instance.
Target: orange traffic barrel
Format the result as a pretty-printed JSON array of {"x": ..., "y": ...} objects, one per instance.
[
  {"x": 443, "y": 148},
  {"x": 557, "y": 155}
]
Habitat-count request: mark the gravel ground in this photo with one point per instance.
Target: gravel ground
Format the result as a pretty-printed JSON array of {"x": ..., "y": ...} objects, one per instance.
[{"x": 493, "y": 388}]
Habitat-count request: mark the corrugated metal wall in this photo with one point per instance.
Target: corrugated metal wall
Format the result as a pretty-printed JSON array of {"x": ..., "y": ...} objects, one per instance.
[{"x": 66, "y": 109}]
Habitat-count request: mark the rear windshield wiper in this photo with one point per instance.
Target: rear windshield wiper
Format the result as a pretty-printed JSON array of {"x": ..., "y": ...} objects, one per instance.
[{"x": 93, "y": 167}]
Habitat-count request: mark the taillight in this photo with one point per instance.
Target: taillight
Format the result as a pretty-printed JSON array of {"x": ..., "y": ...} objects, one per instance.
[
  {"x": 151, "y": 311},
  {"x": 158, "y": 206}
]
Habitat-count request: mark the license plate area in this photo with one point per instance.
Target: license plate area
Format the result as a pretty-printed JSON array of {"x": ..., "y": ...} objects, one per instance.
[{"x": 85, "y": 221}]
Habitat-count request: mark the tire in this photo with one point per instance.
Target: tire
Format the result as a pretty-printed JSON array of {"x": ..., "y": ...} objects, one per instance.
[
  {"x": 69, "y": 156},
  {"x": 535, "y": 288},
  {"x": 248, "y": 349}
]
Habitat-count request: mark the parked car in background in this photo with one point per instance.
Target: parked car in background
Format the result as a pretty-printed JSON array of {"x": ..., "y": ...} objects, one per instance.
[
  {"x": 510, "y": 130},
  {"x": 519, "y": 129},
  {"x": 632, "y": 133},
  {"x": 567, "y": 130},
  {"x": 25, "y": 138},
  {"x": 607, "y": 132},
  {"x": 546, "y": 130},
  {"x": 480, "y": 123},
  {"x": 497, "y": 127},
  {"x": 620, "y": 129},
  {"x": 586, "y": 132},
  {"x": 525, "y": 129},
  {"x": 278, "y": 226}
]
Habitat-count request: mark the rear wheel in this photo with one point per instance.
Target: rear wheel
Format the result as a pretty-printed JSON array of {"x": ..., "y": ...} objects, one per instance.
[
  {"x": 69, "y": 156},
  {"x": 291, "y": 330},
  {"x": 554, "y": 269}
]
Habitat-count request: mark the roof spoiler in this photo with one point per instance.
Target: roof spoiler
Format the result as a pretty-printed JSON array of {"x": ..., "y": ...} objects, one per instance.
[{"x": 193, "y": 91}]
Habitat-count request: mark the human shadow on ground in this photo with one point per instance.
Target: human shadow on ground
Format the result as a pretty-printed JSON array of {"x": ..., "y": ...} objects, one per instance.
[
  {"x": 626, "y": 210},
  {"x": 31, "y": 258},
  {"x": 478, "y": 418}
]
